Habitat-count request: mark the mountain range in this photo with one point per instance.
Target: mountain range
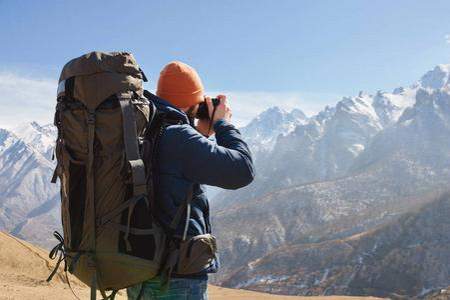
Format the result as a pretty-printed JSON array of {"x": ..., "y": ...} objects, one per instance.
[
  {"x": 349, "y": 175},
  {"x": 351, "y": 168}
]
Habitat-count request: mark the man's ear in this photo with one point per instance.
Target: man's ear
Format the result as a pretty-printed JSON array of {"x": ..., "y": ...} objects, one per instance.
[{"x": 191, "y": 111}]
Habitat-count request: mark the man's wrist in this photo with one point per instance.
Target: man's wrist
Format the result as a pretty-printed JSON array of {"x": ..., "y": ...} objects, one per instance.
[{"x": 221, "y": 124}]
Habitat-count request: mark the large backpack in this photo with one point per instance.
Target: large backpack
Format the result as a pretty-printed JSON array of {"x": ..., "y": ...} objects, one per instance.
[
  {"x": 111, "y": 240},
  {"x": 108, "y": 134}
]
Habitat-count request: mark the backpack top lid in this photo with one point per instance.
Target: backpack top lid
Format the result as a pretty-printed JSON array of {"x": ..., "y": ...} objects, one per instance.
[{"x": 99, "y": 75}]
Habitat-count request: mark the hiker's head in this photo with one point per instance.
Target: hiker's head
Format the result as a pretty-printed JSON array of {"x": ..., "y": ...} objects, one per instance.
[{"x": 180, "y": 84}]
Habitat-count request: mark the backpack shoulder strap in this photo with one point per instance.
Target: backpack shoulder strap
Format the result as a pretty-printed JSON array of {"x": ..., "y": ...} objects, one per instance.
[{"x": 130, "y": 140}]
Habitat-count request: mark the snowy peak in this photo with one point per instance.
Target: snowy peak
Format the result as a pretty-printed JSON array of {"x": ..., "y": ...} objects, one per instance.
[
  {"x": 354, "y": 115},
  {"x": 436, "y": 78},
  {"x": 432, "y": 108},
  {"x": 7, "y": 139},
  {"x": 263, "y": 130},
  {"x": 275, "y": 117},
  {"x": 389, "y": 107},
  {"x": 41, "y": 138},
  {"x": 420, "y": 135},
  {"x": 297, "y": 114},
  {"x": 377, "y": 111},
  {"x": 15, "y": 152},
  {"x": 360, "y": 105}
]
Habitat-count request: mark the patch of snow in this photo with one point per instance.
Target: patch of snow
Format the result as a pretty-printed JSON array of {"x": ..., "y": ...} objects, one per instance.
[{"x": 268, "y": 279}]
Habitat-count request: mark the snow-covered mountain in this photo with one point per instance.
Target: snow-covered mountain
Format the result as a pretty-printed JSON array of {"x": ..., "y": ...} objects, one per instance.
[
  {"x": 319, "y": 148},
  {"x": 262, "y": 132},
  {"x": 29, "y": 203},
  {"x": 41, "y": 138},
  {"x": 421, "y": 134}
]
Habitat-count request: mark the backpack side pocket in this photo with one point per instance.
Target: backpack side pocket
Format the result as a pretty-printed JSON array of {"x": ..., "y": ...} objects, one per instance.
[{"x": 196, "y": 254}]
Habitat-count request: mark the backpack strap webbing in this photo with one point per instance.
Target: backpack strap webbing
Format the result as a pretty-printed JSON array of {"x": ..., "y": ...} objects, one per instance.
[
  {"x": 173, "y": 254},
  {"x": 130, "y": 140},
  {"x": 90, "y": 203},
  {"x": 179, "y": 214}
]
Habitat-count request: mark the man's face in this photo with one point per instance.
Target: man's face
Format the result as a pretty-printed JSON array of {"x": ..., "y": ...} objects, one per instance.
[{"x": 202, "y": 126}]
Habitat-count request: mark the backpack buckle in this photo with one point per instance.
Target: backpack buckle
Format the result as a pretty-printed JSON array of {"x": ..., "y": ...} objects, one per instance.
[{"x": 91, "y": 118}]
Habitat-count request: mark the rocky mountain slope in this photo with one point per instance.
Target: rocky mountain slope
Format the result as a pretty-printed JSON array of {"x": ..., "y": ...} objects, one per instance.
[{"x": 409, "y": 257}]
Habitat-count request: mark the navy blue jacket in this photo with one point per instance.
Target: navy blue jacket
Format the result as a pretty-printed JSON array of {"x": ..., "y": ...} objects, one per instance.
[{"x": 186, "y": 158}]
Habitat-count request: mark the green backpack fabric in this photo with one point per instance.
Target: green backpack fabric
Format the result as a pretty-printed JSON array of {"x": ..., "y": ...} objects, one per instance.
[{"x": 111, "y": 240}]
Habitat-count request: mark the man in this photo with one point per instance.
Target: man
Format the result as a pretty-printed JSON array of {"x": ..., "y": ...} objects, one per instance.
[{"x": 187, "y": 158}]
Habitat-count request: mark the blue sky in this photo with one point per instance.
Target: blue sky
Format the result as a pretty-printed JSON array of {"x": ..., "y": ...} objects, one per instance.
[{"x": 287, "y": 52}]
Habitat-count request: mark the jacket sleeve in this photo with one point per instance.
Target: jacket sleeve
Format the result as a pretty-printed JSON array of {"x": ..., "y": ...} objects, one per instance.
[{"x": 227, "y": 164}]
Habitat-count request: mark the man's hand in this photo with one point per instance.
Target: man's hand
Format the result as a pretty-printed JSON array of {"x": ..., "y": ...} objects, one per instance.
[{"x": 223, "y": 111}]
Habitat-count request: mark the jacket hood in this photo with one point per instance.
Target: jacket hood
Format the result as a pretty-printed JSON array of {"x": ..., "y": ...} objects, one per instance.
[{"x": 164, "y": 106}]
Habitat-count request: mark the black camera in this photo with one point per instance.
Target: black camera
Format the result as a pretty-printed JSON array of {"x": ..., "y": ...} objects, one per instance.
[{"x": 202, "y": 111}]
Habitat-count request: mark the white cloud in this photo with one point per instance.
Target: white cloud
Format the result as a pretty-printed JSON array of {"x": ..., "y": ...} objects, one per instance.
[
  {"x": 447, "y": 38},
  {"x": 24, "y": 99}
]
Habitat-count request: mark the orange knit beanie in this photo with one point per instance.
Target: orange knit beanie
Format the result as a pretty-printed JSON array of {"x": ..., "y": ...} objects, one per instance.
[{"x": 180, "y": 84}]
